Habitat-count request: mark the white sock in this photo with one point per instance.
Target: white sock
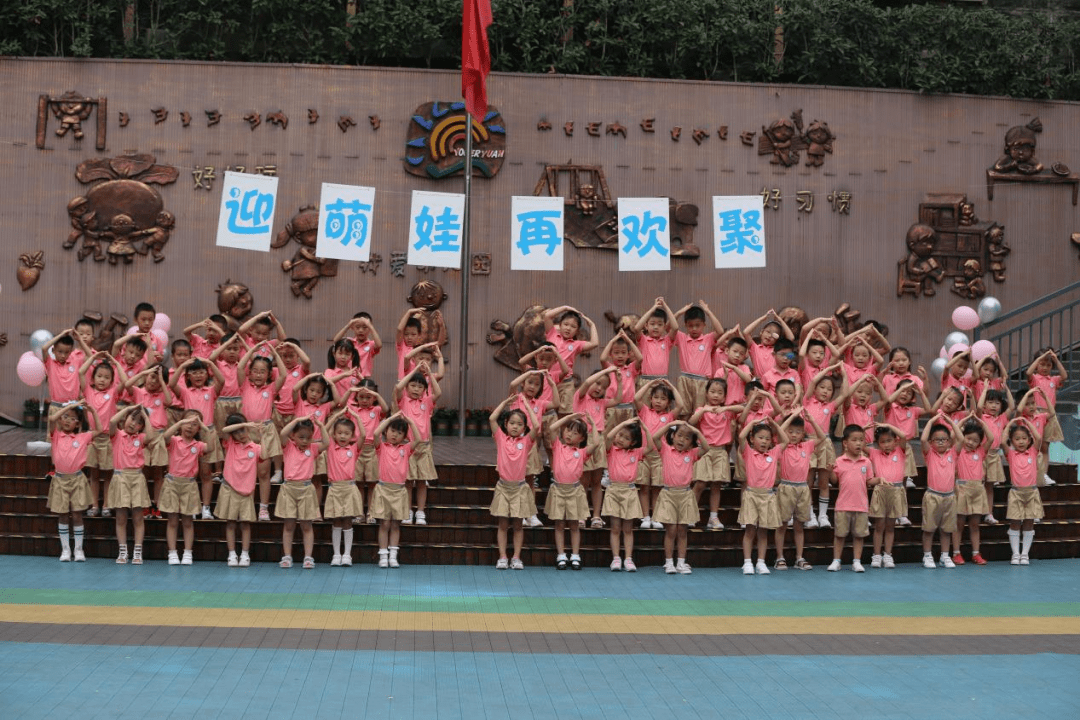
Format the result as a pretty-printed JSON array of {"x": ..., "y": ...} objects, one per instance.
[
  {"x": 928, "y": 555},
  {"x": 348, "y": 535},
  {"x": 823, "y": 504},
  {"x": 1028, "y": 536},
  {"x": 1014, "y": 540},
  {"x": 682, "y": 561},
  {"x": 336, "y": 539},
  {"x": 714, "y": 516},
  {"x": 65, "y": 541},
  {"x": 78, "y": 537}
]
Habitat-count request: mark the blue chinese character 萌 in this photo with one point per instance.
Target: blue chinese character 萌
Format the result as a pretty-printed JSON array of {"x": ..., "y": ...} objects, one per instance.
[
  {"x": 537, "y": 228},
  {"x": 634, "y": 228},
  {"x": 254, "y": 209},
  {"x": 351, "y": 229},
  {"x": 738, "y": 229},
  {"x": 441, "y": 234}
]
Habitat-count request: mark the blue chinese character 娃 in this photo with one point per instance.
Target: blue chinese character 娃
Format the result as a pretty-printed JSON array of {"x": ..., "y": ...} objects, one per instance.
[
  {"x": 441, "y": 234},
  {"x": 634, "y": 228},
  {"x": 537, "y": 229},
  {"x": 254, "y": 209},
  {"x": 351, "y": 229},
  {"x": 738, "y": 228}
]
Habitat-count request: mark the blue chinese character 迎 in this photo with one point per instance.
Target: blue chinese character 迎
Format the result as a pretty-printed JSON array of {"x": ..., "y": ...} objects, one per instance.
[
  {"x": 738, "y": 229},
  {"x": 635, "y": 227},
  {"x": 253, "y": 210},
  {"x": 351, "y": 229},
  {"x": 537, "y": 228},
  {"x": 441, "y": 234}
]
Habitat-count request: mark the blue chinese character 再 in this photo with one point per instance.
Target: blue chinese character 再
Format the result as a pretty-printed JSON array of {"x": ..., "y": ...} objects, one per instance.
[
  {"x": 441, "y": 234},
  {"x": 253, "y": 210},
  {"x": 537, "y": 228},
  {"x": 635, "y": 227},
  {"x": 738, "y": 228},
  {"x": 351, "y": 229}
]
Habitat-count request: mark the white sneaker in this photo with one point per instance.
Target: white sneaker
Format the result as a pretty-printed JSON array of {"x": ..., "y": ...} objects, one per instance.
[
  {"x": 503, "y": 564},
  {"x": 275, "y": 479},
  {"x": 669, "y": 567},
  {"x": 790, "y": 522},
  {"x": 646, "y": 522},
  {"x": 421, "y": 518},
  {"x": 346, "y": 560},
  {"x": 605, "y": 480},
  {"x": 65, "y": 555},
  {"x": 206, "y": 514},
  {"x": 887, "y": 561},
  {"x": 903, "y": 521},
  {"x": 1024, "y": 560},
  {"x": 534, "y": 522},
  {"x": 834, "y": 566},
  {"x": 80, "y": 556},
  {"x": 174, "y": 558},
  {"x": 335, "y": 561},
  {"x": 748, "y": 568},
  {"x": 875, "y": 561},
  {"x": 245, "y": 559},
  {"x": 909, "y": 483},
  {"x": 812, "y": 523},
  {"x": 186, "y": 558},
  {"x": 384, "y": 560},
  {"x": 657, "y": 526},
  {"x": 616, "y": 564},
  {"x": 947, "y": 561},
  {"x": 856, "y": 565},
  {"x": 233, "y": 561},
  {"x": 761, "y": 568},
  {"x": 823, "y": 521},
  {"x": 516, "y": 564},
  {"x": 1015, "y": 559},
  {"x": 928, "y": 562},
  {"x": 714, "y": 524},
  {"x": 683, "y": 569},
  {"x": 409, "y": 520},
  {"x": 1048, "y": 481},
  {"x": 990, "y": 520}
]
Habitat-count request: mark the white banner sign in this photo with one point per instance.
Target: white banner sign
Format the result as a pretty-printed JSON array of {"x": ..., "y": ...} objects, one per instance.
[
  {"x": 246, "y": 218},
  {"x": 436, "y": 224},
  {"x": 345, "y": 213},
  {"x": 738, "y": 231},
  {"x": 536, "y": 232},
  {"x": 644, "y": 234}
]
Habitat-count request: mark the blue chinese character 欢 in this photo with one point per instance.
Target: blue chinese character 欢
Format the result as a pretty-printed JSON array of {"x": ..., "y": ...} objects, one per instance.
[
  {"x": 351, "y": 229},
  {"x": 634, "y": 228},
  {"x": 253, "y": 210},
  {"x": 537, "y": 228},
  {"x": 738, "y": 229},
  {"x": 441, "y": 234}
]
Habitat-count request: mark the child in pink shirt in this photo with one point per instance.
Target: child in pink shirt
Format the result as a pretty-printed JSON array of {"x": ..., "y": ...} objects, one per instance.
[
  {"x": 365, "y": 339},
  {"x": 695, "y": 348},
  {"x": 390, "y": 499},
  {"x": 127, "y": 492},
  {"x": 515, "y": 432},
  {"x": 189, "y": 383},
  {"x": 566, "y": 501},
  {"x": 101, "y": 387},
  {"x": 297, "y": 501},
  {"x": 759, "y": 511},
  {"x": 715, "y": 419},
  {"x": 227, "y": 360},
  {"x": 621, "y": 504},
  {"x": 416, "y": 396},
  {"x": 793, "y": 492},
  {"x": 367, "y": 409},
  {"x": 940, "y": 439},
  {"x": 905, "y": 405},
  {"x": 343, "y": 366},
  {"x": 594, "y": 400},
  {"x": 235, "y": 503},
  {"x": 343, "y": 499},
  {"x": 154, "y": 395},
  {"x": 899, "y": 370},
  {"x": 761, "y": 350},
  {"x": 680, "y": 445},
  {"x": 180, "y": 491},
  {"x": 62, "y": 367},
  {"x": 729, "y": 366},
  {"x": 214, "y": 328},
  {"x": 658, "y": 403},
  {"x": 260, "y": 379},
  {"x": 562, "y": 328},
  {"x": 531, "y": 387},
  {"x": 69, "y": 493},
  {"x": 889, "y": 500},
  {"x": 621, "y": 354},
  {"x": 1025, "y": 506},
  {"x": 1039, "y": 377},
  {"x": 783, "y": 368},
  {"x": 854, "y": 473},
  {"x": 971, "y": 502},
  {"x": 825, "y": 395},
  {"x": 297, "y": 366},
  {"x": 409, "y": 335},
  {"x": 657, "y": 328},
  {"x": 956, "y": 372}
]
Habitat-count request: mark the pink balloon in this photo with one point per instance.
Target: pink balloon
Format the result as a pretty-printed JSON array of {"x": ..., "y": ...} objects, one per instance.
[
  {"x": 982, "y": 349},
  {"x": 162, "y": 322},
  {"x": 965, "y": 318},
  {"x": 132, "y": 330},
  {"x": 943, "y": 353},
  {"x": 958, "y": 348},
  {"x": 30, "y": 369},
  {"x": 161, "y": 336}
]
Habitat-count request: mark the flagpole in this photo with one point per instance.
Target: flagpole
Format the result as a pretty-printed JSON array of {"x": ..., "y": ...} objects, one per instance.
[{"x": 466, "y": 269}]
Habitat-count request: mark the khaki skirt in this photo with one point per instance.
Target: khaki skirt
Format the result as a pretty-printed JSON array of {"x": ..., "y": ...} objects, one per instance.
[
  {"x": 68, "y": 492},
  {"x": 793, "y": 501},
  {"x": 825, "y": 458},
  {"x": 513, "y": 500},
  {"x": 909, "y": 462},
  {"x": 676, "y": 506},
  {"x": 714, "y": 466},
  {"x": 128, "y": 490},
  {"x": 533, "y": 464},
  {"x": 888, "y": 501},
  {"x": 99, "y": 455},
  {"x": 971, "y": 498},
  {"x": 343, "y": 500},
  {"x": 214, "y": 453},
  {"x": 759, "y": 508},
  {"x": 389, "y": 501},
  {"x": 566, "y": 501},
  {"x": 422, "y": 463},
  {"x": 269, "y": 439},
  {"x": 231, "y": 505},
  {"x": 565, "y": 390},
  {"x": 1024, "y": 504},
  {"x": 320, "y": 465},
  {"x": 179, "y": 495},
  {"x": 367, "y": 465},
  {"x": 692, "y": 389},
  {"x": 297, "y": 500},
  {"x": 156, "y": 453},
  {"x": 621, "y": 501},
  {"x": 995, "y": 473},
  {"x": 1052, "y": 431},
  {"x": 650, "y": 471},
  {"x": 223, "y": 408},
  {"x": 598, "y": 460}
]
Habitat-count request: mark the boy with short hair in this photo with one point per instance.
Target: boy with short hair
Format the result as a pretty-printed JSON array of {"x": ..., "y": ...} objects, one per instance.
[
  {"x": 695, "y": 348},
  {"x": 144, "y": 321},
  {"x": 657, "y": 327},
  {"x": 854, "y": 473},
  {"x": 409, "y": 331},
  {"x": 783, "y": 368},
  {"x": 214, "y": 328},
  {"x": 729, "y": 365},
  {"x": 761, "y": 350},
  {"x": 365, "y": 339},
  {"x": 940, "y": 439}
]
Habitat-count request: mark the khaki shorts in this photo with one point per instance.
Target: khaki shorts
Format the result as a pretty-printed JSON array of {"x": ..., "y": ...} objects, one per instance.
[
  {"x": 692, "y": 389},
  {"x": 759, "y": 508},
  {"x": 180, "y": 495},
  {"x": 99, "y": 455},
  {"x": 825, "y": 458},
  {"x": 1052, "y": 431},
  {"x": 512, "y": 500},
  {"x": 297, "y": 500},
  {"x": 320, "y": 465},
  {"x": 995, "y": 472},
  {"x": 938, "y": 512},
  {"x": 616, "y": 415},
  {"x": 793, "y": 500},
  {"x": 676, "y": 506},
  {"x": 714, "y": 466},
  {"x": 565, "y": 395},
  {"x": 888, "y": 501},
  {"x": 598, "y": 460},
  {"x": 909, "y": 462},
  {"x": 69, "y": 492},
  {"x": 128, "y": 490},
  {"x": 223, "y": 408},
  {"x": 156, "y": 454},
  {"x": 650, "y": 470},
  {"x": 621, "y": 501},
  {"x": 971, "y": 498},
  {"x": 214, "y": 452},
  {"x": 231, "y": 505},
  {"x": 422, "y": 463},
  {"x": 850, "y": 522},
  {"x": 566, "y": 501},
  {"x": 343, "y": 500},
  {"x": 270, "y": 440},
  {"x": 1024, "y": 504},
  {"x": 280, "y": 420},
  {"x": 533, "y": 464},
  {"x": 390, "y": 501},
  {"x": 367, "y": 465}
]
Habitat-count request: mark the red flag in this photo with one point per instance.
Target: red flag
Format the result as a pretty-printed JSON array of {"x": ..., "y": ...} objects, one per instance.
[{"x": 475, "y": 56}]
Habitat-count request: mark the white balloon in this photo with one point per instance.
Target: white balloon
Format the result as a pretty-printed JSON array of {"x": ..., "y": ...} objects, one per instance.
[
  {"x": 937, "y": 368},
  {"x": 956, "y": 338},
  {"x": 989, "y": 309},
  {"x": 38, "y": 338}
]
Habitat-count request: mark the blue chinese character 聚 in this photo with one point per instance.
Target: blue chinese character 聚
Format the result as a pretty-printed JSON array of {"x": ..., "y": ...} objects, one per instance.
[
  {"x": 351, "y": 229},
  {"x": 537, "y": 229},
  {"x": 441, "y": 234},
  {"x": 634, "y": 228},
  {"x": 738, "y": 229},
  {"x": 249, "y": 214}
]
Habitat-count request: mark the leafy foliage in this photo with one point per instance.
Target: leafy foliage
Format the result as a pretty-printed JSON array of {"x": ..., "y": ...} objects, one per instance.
[{"x": 924, "y": 47}]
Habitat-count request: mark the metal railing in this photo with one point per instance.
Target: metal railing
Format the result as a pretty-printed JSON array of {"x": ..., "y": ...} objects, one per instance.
[{"x": 1051, "y": 321}]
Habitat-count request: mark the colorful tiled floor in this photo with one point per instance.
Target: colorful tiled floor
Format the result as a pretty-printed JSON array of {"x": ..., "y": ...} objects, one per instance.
[{"x": 106, "y": 641}]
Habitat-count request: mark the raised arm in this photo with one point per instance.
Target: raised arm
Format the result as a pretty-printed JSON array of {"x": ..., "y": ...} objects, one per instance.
[
  {"x": 672, "y": 321},
  {"x": 717, "y": 327},
  {"x": 493, "y": 418}
]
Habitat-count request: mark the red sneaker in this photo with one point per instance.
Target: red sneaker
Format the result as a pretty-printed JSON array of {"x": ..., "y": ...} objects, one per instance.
[
  {"x": 146, "y": 512},
  {"x": 977, "y": 558},
  {"x": 958, "y": 559},
  {"x": 155, "y": 513}
]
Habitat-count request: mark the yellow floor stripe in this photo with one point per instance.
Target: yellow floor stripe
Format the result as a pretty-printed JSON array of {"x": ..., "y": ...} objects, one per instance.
[{"x": 514, "y": 623}]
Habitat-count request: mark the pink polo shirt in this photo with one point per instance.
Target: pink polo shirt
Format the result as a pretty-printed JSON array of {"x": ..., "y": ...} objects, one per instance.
[
  {"x": 230, "y": 388},
  {"x": 795, "y": 461},
  {"x": 284, "y": 403},
  {"x": 343, "y": 379},
  {"x": 404, "y": 367},
  {"x": 892, "y": 380},
  {"x": 567, "y": 463},
  {"x": 257, "y": 402},
  {"x": 716, "y": 427},
  {"x": 653, "y": 420},
  {"x": 695, "y": 354},
  {"x": 511, "y": 455},
  {"x": 369, "y": 419},
  {"x": 69, "y": 451},
  {"x": 1023, "y": 466},
  {"x": 623, "y": 464},
  {"x": 595, "y": 409},
  {"x": 761, "y": 468},
  {"x": 997, "y": 425},
  {"x": 941, "y": 470},
  {"x": 761, "y": 356},
  {"x": 991, "y": 384},
  {"x": 154, "y": 404},
  {"x": 567, "y": 349},
  {"x": 319, "y": 411},
  {"x": 888, "y": 466},
  {"x": 775, "y": 375},
  {"x": 241, "y": 463},
  {"x": 201, "y": 347},
  {"x": 537, "y": 404},
  {"x": 821, "y": 412},
  {"x": 855, "y": 373},
  {"x": 853, "y": 474},
  {"x": 393, "y": 462},
  {"x": 128, "y": 450},
  {"x": 367, "y": 352},
  {"x": 964, "y": 382},
  {"x": 103, "y": 402},
  {"x": 904, "y": 418},
  {"x": 419, "y": 410},
  {"x": 184, "y": 456},
  {"x": 655, "y": 354},
  {"x": 628, "y": 375},
  {"x": 201, "y": 399},
  {"x": 299, "y": 464},
  {"x": 341, "y": 462},
  {"x": 736, "y": 388},
  {"x": 63, "y": 379},
  {"x": 1049, "y": 384},
  {"x": 678, "y": 466},
  {"x": 861, "y": 416},
  {"x": 969, "y": 464}
]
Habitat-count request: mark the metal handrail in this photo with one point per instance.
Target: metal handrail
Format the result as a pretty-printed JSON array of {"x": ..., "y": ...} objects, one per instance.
[{"x": 1024, "y": 308}]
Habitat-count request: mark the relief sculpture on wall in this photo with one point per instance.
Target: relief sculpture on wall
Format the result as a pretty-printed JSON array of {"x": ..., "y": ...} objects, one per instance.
[
  {"x": 785, "y": 138},
  {"x": 435, "y": 141},
  {"x": 71, "y": 110},
  {"x": 1019, "y": 164},
  {"x": 305, "y": 268}
]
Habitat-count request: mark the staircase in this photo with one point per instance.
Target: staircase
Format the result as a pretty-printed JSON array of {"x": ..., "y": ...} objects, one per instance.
[{"x": 462, "y": 532}]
